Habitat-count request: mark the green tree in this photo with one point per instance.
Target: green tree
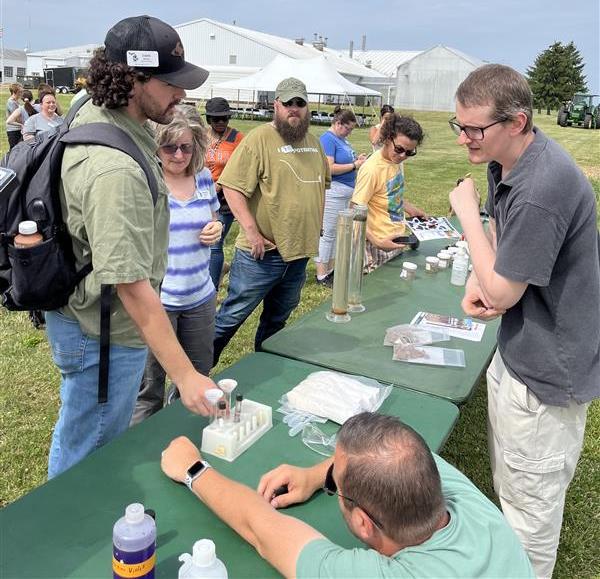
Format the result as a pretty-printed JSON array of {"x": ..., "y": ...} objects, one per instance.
[{"x": 556, "y": 75}]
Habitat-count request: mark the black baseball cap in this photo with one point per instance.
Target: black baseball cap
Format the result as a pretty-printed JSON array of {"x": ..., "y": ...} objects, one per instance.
[
  {"x": 150, "y": 45},
  {"x": 218, "y": 107}
]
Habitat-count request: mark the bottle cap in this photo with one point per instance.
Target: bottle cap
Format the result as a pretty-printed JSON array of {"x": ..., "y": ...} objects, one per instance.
[
  {"x": 28, "y": 227},
  {"x": 213, "y": 395},
  {"x": 409, "y": 265},
  {"x": 134, "y": 513},
  {"x": 444, "y": 255},
  {"x": 239, "y": 397},
  {"x": 204, "y": 553},
  {"x": 431, "y": 259}
]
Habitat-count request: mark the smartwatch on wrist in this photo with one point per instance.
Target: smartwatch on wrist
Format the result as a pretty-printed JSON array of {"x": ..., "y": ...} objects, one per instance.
[{"x": 198, "y": 468}]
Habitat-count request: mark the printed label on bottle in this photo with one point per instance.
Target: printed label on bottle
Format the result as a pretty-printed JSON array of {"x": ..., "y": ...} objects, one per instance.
[{"x": 134, "y": 564}]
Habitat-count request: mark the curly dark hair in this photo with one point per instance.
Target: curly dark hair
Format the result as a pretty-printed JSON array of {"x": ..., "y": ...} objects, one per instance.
[
  {"x": 110, "y": 83},
  {"x": 396, "y": 124}
]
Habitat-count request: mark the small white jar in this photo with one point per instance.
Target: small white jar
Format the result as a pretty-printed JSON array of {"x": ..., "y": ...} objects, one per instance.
[
  {"x": 409, "y": 270},
  {"x": 445, "y": 259},
  {"x": 431, "y": 264}
]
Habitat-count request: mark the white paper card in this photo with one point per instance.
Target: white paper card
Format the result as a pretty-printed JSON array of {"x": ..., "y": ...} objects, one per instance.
[
  {"x": 465, "y": 328},
  {"x": 142, "y": 58}
]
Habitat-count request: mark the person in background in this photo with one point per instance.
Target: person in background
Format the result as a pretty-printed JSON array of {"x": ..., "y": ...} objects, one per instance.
[
  {"x": 380, "y": 186},
  {"x": 222, "y": 141},
  {"x": 22, "y": 113},
  {"x": 187, "y": 292},
  {"x": 44, "y": 88},
  {"x": 46, "y": 121},
  {"x": 344, "y": 165},
  {"x": 538, "y": 266},
  {"x": 13, "y": 130},
  {"x": 275, "y": 185},
  {"x": 416, "y": 515},
  {"x": 374, "y": 131}
]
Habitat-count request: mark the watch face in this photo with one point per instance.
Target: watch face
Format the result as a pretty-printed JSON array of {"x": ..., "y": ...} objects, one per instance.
[{"x": 195, "y": 468}]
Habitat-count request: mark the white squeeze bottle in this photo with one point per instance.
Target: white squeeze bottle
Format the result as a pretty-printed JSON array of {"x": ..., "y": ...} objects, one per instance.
[
  {"x": 203, "y": 564},
  {"x": 460, "y": 268}
]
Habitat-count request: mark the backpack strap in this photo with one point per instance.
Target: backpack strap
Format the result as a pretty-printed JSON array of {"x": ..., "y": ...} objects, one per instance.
[{"x": 112, "y": 136}]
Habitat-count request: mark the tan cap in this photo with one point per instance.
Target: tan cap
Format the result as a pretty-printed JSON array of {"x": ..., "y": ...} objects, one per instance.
[{"x": 290, "y": 88}]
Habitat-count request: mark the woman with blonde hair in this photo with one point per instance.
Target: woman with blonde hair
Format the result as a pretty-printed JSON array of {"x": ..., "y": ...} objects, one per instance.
[{"x": 187, "y": 292}]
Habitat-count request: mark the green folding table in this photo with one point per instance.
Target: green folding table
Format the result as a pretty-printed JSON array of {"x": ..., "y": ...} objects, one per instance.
[
  {"x": 357, "y": 347},
  {"x": 64, "y": 528}
]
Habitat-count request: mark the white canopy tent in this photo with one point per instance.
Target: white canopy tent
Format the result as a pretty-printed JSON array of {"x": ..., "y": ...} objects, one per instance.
[{"x": 319, "y": 76}]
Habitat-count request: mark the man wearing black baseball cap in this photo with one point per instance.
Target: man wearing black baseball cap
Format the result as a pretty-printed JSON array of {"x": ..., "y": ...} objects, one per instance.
[{"x": 140, "y": 74}]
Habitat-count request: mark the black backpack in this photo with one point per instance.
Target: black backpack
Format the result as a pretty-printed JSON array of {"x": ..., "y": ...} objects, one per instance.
[{"x": 44, "y": 276}]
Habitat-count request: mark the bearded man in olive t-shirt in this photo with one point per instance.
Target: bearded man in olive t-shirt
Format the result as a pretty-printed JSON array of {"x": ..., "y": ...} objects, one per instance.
[{"x": 275, "y": 186}]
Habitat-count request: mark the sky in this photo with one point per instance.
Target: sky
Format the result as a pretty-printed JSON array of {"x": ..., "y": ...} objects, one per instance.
[{"x": 511, "y": 32}]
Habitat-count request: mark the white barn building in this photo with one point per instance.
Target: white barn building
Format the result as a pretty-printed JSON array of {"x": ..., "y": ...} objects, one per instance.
[
  {"x": 14, "y": 64},
  {"x": 78, "y": 56},
  {"x": 230, "y": 51},
  {"x": 424, "y": 80}
]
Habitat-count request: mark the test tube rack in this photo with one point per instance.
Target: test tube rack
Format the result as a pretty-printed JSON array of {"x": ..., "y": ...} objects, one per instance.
[{"x": 227, "y": 439}]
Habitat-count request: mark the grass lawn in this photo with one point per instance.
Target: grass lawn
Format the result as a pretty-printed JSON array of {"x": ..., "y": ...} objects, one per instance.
[{"x": 29, "y": 381}]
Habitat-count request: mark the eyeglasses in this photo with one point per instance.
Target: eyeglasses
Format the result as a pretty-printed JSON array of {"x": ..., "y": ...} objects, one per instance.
[
  {"x": 399, "y": 150},
  {"x": 330, "y": 488},
  {"x": 171, "y": 149},
  {"x": 220, "y": 119},
  {"x": 473, "y": 133},
  {"x": 296, "y": 102}
]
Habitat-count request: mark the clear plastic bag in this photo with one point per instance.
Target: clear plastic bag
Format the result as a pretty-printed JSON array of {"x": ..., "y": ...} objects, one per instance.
[
  {"x": 429, "y": 355},
  {"x": 335, "y": 396},
  {"x": 405, "y": 334}
]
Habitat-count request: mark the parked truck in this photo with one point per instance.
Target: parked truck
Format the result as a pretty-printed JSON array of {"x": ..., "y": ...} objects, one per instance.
[{"x": 65, "y": 79}]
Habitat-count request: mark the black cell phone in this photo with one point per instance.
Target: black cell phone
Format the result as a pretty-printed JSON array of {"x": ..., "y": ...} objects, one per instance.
[{"x": 410, "y": 240}]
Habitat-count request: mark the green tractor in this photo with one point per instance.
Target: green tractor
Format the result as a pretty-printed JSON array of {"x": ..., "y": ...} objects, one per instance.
[{"x": 582, "y": 110}]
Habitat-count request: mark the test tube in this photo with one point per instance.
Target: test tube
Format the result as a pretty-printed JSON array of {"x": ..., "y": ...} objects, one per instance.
[
  {"x": 221, "y": 413},
  {"x": 228, "y": 385},
  {"x": 213, "y": 395},
  {"x": 339, "y": 302},
  {"x": 357, "y": 254},
  {"x": 238, "y": 408}
]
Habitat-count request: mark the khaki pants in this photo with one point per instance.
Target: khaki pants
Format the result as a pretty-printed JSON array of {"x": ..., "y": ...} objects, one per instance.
[{"x": 534, "y": 449}]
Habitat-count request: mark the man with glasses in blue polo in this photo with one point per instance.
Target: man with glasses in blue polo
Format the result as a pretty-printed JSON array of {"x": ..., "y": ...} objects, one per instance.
[
  {"x": 416, "y": 515},
  {"x": 538, "y": 267},
  {"x": 274, "y": 184}
]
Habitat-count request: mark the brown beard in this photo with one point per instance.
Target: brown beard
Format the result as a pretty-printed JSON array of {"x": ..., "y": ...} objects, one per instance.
[{"x": 289, "y": 133}]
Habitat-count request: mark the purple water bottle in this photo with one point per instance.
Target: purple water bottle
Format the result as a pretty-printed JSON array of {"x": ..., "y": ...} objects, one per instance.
[{"x": 134, "y": 544}]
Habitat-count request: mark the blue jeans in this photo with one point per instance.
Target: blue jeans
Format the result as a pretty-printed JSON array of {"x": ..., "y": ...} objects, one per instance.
[
  {"x": 216, "y": 251},
  {"x": 275, "y": 282},
  {"x": 83, "y": 425},
  {"x": 195, "y": 331}
]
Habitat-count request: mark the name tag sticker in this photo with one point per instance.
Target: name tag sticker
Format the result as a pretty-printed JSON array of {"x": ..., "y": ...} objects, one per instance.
[{"x": 142, "y": 58}]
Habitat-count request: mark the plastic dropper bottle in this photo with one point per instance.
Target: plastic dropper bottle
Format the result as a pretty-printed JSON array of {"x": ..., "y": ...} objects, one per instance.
[
  {"x": 460, "y": 268},
  {"x": 203, "y": 564},
  {"x": 134, "y": 544}
]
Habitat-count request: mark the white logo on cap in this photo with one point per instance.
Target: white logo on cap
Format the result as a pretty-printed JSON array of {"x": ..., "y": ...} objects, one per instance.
[{"x": 142, "y": 58}]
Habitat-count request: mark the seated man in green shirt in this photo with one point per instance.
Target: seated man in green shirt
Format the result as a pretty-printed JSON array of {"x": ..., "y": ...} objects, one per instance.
[{"x": 417, "y": 515}]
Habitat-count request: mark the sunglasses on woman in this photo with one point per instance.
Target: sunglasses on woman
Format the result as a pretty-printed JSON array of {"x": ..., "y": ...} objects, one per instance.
[
  {"x": 220, "y": 119},
  {"x": 399, "y": 150},
  {"x": 171, "y": 149}
]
